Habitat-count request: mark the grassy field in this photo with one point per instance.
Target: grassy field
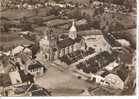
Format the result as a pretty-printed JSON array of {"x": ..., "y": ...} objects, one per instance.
[
  {"x": 17, "y": 13},
  {"x": 11, "y": 39},
  {"x": 43, "y": 16},
  {"x": 20, "y": 13}
]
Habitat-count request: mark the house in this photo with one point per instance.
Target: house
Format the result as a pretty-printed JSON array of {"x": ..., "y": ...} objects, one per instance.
[
  {"x": 20, "y": 77},
  {"x": 112, "y": 65},
  {"x": 129, "y": 35},
  {"x": 104, "y": 78},
  {"x": 22, "y": 60},
  {"x": 53, "y": 47},
  {"x": 14, "y": 78},
  {"x": 40, "y": 92},
  {"x": 21, "y": 49},
  {"x": 17, "y": 50},
  {"x": 108, "y": 79},
  {"x": 31, "y": 90},
  {"x": 36, "y": 68},
  {"x": 123, "y": 42},
  {"x": 96, "y": 3},
  {"x": 85, "y": 93},
  {"x": 114, "y": 81},
  {"x": 95, "y": 39},
  {"x": 99, "y": 77}
]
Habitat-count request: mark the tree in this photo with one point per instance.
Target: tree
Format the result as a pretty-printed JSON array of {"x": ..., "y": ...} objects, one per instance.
[
  {"x": 6, "y": 27},
  {"x": 76, "y": 13},
  {"x": 90, "y": 1},
  {"x": 55, "y": 11},
  {"x": 63, "y": 36},
  {"x": 129, "y": 4}
]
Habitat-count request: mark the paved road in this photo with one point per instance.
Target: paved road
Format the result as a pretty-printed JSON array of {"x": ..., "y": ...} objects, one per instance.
[{"x": 62, "y": 82}]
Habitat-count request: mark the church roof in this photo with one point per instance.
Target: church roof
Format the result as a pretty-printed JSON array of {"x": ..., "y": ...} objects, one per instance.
[
  {"x": 68, "y": 41},
  {"x": 65, "y": 43}
]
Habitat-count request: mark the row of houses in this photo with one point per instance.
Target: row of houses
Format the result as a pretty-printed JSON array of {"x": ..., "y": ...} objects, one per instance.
[
  {"x": 110, "y": 76},
  {"x": 14, "y": 78},
  {"x": 20, "y": 83},
  {"x": 23, "y": 57},
  {"x": 19, "y": 70}
]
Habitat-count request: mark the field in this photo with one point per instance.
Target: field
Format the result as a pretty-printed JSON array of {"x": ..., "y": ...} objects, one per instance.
[{"x": 44, "y": 17}]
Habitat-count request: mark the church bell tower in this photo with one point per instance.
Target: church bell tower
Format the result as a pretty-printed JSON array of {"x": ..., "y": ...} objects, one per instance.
[{"x": 73, "y": 31}]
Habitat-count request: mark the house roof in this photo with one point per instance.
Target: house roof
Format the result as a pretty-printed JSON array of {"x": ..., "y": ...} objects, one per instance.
[
  {"x": 40, "y": 92},
  {"x": 17, "y": 49},
  {"x": 81, "y": 22},
  {"x": 24, "y": 57},
  {"x": 35, "y": 90},
  {"x": 115, "y": 81},
  {"x": 23, "y": 88},
  {"x": 105, "y": 73},
  {"x": 35, "y": 65}
]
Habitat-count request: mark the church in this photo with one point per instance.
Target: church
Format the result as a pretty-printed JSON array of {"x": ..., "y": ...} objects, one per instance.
[{"x": 55, "y": 47}]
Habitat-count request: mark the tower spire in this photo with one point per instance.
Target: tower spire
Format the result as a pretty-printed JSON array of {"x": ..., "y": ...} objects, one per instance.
[
  {"x": 73, "y": 22},
  {"x": 73, "y": 30}
]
